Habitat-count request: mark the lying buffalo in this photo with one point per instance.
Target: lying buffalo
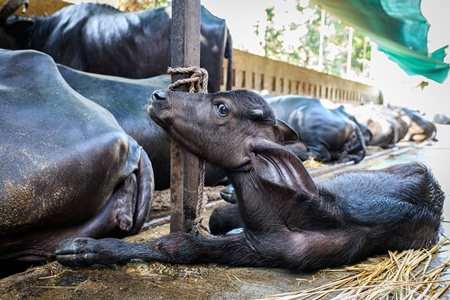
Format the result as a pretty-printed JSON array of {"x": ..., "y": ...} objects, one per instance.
[
  {"x": 365, "y": 130},
  {"x": 289, "y": 221},
  {"x": 67, "y": 168},
  {"x": 98, "y": 38},
  {"x": 441, "y": 119},
  {"x": 324, "y": 134},
  {"x": 419, "y": 128},
  {"x": 386, "y": 126},
  {"x": 126, "y": 100}
]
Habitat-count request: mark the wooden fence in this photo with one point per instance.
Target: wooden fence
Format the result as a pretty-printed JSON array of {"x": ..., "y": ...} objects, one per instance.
[{"x": 278, "y": 78}]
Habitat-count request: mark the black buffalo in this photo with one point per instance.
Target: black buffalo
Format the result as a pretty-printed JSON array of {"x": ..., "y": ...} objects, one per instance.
[
  {"x": 98, "y": 38},
  {"x": 419, "y": 128},
  {"x": 365, "y": 130},
  {"x": 126, "y": 100},
  {"x": 441, "y": 119},
  {"x": 385, "y": 125},
  {"x": 67, "y": 168},
  {"x": 324, "y": 134},
  {"x": 289, "y": 222}
]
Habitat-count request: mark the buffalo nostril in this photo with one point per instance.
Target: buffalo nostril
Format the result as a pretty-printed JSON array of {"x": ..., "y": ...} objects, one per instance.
[{"x": 159, "y": 95}]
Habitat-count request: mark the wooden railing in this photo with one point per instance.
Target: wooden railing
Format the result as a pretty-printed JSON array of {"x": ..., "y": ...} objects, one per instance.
[{"x": 278, "y": 78}]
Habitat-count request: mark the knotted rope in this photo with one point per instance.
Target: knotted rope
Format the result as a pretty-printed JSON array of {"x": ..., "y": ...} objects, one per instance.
[{"x": 197, "y": 79}]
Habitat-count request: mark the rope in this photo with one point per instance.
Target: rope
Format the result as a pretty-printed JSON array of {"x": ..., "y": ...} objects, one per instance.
[{"x": 197, "y": 79}]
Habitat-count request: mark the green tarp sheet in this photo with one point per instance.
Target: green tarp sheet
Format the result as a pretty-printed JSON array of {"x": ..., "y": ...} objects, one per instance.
[{"x": 399, "y": 29}]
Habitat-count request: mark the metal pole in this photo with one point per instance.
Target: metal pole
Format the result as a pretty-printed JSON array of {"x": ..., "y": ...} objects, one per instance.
[
  {"x": 349, "y": 51},
  {"x": 321, "y": 38},
  {"x": 185, "y": 167}
]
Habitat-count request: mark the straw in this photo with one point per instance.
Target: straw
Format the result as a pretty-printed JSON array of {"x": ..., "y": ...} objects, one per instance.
[{"x": 404, "y": 275}]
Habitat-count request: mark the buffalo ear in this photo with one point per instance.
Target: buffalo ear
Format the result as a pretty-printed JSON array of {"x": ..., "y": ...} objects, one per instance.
[
  {"x": 18, "y": 25},
  {"x": 287, "y": 134},
  {"x": 275, "y": 165}
]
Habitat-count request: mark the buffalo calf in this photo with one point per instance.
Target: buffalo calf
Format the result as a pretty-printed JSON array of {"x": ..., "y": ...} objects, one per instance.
[{"x": 288, "y": 220}]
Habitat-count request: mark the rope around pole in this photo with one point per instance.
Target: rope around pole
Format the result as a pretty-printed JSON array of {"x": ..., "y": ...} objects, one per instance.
[
  {"x": 198, "y": 83},
  {"x": 198, "y": 79}
]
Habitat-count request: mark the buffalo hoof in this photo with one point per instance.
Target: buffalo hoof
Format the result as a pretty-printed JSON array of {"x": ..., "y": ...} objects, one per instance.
[
  {"x": 228, "y": 194},
  {"x": 351, "y": 158},
  {"x": 357, "y": 160},
  {"x": 78, "y": 252}
]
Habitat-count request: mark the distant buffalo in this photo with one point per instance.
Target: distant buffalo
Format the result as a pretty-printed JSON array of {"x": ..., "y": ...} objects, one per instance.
[
  {"x": 441, "y": 119},
  {"x": 324, "y": 134},
  {"x": 386, "y": 126},
  {"x": 419, "y": 128}
]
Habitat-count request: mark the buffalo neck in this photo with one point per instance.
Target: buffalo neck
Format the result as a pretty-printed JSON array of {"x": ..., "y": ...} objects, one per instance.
[{"x": 258, "y": 200}]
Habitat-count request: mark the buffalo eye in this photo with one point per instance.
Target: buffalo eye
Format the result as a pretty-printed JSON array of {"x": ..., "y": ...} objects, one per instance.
[{"x": 222, "y": 110}]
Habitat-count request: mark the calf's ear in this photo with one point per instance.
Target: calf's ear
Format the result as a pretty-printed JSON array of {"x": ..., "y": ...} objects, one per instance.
[
  {"x": 287, "y": 134},
  {"x": 275, "y": 165}
]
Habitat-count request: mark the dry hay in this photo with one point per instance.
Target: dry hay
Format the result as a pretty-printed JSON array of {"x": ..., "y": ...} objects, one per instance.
[
  {"x": 404, "y": 275},
  {"x": 162, "y": 198},
  {"x": 160, "y": 271},
  {"x": 311, "y": 163}
]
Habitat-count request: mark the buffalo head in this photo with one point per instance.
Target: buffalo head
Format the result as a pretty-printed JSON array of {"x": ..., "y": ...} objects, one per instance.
[{"x": 224, "y": 128}]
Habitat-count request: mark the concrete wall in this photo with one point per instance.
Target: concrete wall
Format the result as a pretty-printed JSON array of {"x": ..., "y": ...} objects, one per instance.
[{"x": 278, "y": 78}]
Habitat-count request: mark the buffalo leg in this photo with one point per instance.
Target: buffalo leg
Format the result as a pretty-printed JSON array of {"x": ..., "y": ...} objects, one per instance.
[
  {"x": 299, "y": 149},
  {"x": 173, "y": 248},
  {"x": 225, "y": 218},
  {"x": 228, "y": 194},
  {"x": 282, "y": 249}
]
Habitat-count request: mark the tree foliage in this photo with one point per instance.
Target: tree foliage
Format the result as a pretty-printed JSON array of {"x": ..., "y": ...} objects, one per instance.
[
  {"x": 298, "y": 42},
  {"x": 295, "y": 37},
  {"x": 136, "y": 5}
]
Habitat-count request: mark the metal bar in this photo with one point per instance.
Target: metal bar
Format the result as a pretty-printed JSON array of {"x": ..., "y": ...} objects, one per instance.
[{"x": 185, "y": 167}]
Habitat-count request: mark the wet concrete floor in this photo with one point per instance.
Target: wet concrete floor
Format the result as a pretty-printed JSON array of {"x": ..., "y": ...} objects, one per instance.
[{"x": 151, "y": 280}]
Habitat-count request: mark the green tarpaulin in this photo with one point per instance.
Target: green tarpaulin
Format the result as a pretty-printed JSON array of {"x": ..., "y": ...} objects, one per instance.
[{"x": 398, "y": 28}]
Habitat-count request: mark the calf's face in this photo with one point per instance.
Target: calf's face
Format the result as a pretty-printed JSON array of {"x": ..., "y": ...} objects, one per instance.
[{"x": 223, "y": 127}]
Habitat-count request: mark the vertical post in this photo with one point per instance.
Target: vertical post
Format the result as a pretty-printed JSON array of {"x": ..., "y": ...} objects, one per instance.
[
  {"x": 349, "y": 51},
  {"x": 185, "y": 167},
  {"x": 321, "y": 38}
]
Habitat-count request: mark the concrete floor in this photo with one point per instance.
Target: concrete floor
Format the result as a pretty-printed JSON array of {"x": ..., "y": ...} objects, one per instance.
[{"x": 146, "y": 280}]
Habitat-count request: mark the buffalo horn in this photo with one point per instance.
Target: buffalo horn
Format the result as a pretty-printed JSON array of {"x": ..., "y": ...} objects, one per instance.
[
  {"x": 255, "y": 114},
  {"x": 10, "y": 7}
]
